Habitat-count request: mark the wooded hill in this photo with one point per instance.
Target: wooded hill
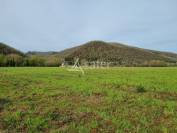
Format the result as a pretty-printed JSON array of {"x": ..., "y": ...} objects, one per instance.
[
  {"x": 6, "y": 50},
  {"x": 10, "y": 56},
  {"x": 119, "y": 54}
]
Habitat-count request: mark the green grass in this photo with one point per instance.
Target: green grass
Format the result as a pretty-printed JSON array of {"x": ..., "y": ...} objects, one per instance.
[{"x": 141, "y": 100}]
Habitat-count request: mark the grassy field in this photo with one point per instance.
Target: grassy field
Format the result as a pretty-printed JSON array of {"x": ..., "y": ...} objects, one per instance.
[{"x": 122, "y": 100}]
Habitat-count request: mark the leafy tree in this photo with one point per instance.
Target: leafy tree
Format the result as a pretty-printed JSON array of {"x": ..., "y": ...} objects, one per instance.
[
  {"x": 14, "y": 60},
  {"x": 53, "y": 61},
  {"x": 35, "y": 61},
  {"x": 2, "y": 60}
]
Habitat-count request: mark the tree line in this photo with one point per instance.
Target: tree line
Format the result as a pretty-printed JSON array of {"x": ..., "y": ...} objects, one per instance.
[{"x": 15, "y": 60}]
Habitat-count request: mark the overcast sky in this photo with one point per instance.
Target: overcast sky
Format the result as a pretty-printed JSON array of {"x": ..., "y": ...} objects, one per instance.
[{"x": 53, "y": 25}]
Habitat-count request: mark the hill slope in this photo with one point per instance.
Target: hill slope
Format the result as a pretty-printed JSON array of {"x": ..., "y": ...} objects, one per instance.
[
  {"x": 116, "y": 52},
  {"x": 5, "y": 50}
]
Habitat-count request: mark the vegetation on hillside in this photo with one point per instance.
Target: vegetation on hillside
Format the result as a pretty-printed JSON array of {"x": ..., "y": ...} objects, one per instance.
[
  {"x": 6, "y": 50},
  {"x": 12, "y": 57},
  {"x": 116, "y": 53},
  {"x": 121, "y": 55}
]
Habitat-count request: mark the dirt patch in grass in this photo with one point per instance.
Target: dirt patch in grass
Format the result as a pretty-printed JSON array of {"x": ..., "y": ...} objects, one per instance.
[
  {"x": 3, "y": 102},
  {"x": 172, "y": 96},
  {"x": 102, "y": 124},
  {"x": 110, "y": 85},
  {"x": 95, "y": 99},
  {"x": 165, "y": 119},
  {"x": 62, "y": 119}
]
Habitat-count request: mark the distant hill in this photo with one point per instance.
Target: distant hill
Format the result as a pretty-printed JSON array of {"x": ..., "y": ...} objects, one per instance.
[
  {"x": 6, "y": 50},
  {"x": 41, "y": 53},
  {"x": 117, "y": 52},
  {"x": 11, "y": 57}
]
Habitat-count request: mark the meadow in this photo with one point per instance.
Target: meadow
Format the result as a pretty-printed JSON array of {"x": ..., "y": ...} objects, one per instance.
[{"x": 120, "y": 100}]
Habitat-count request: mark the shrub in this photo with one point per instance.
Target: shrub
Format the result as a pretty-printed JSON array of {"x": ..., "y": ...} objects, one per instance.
[{"x": 140, "y": 89}]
